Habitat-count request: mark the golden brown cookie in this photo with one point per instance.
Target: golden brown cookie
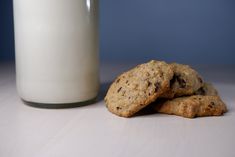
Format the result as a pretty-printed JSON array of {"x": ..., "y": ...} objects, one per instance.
[
  {"x": 186, "y": 81},
  {"x": 138, "y": 87},
  {"x": 207, "y": 89},
  {"x": 192, "y": 106}
]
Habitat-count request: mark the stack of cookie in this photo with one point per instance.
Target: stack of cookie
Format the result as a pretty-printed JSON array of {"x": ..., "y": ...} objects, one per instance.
[{"x": 165, "y": 88}]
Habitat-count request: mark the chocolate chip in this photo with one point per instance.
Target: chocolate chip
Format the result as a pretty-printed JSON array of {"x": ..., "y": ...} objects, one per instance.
[
  {"x": 157, "y": 86},
  {"x": 200, "y": 79},
  {"x": 118, "y": 108},
  {"x": 181, "y": 81},
  {"x": 117, "y": 80},
  {"x": 119, "y": 89},
  {"x": 210, "y": 106},
  {"x": 172, "y": 81},
  {"x": 127, "y": 81},
  {"x": 212, "y": 103},
  {"x": 149, "y": 83},
  {"x": 201, "y": 91},
  {"x": 161, "y": 74}
]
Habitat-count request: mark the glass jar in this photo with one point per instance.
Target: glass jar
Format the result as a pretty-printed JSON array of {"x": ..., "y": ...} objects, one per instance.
[{"x": 56, "y": 50}]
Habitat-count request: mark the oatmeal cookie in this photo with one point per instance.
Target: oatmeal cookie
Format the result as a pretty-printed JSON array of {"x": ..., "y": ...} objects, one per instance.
[
  {"x": 192, "y": 106},
  {"x": 138, "y": 87}
]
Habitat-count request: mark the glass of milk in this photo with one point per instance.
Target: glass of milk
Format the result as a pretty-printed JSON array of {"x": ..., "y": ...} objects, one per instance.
[{"x": 56, "y": 47}]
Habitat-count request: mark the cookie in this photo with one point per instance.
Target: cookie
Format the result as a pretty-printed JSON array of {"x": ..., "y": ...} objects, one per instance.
[
  {"x": 138, "y": 87},
  {"x": 207, "y": 89},
  {"x": 186, "y": 81},
  {"x": 192, "y": 106}
]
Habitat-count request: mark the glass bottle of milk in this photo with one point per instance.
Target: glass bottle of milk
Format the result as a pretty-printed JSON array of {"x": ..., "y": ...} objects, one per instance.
[{"x": 56, "y": 47}]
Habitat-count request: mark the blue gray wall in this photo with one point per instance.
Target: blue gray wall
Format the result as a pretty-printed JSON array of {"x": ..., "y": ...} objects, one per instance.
[
  {"x": 6, "y": 30},
  {"x": 189, "y": 31}
]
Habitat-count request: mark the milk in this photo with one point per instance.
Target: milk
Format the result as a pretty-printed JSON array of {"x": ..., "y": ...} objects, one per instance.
[{"x": 56, "y": 44}]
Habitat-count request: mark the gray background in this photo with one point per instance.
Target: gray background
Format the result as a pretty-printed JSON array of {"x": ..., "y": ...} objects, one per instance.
[{"x": 188, "y": 31}]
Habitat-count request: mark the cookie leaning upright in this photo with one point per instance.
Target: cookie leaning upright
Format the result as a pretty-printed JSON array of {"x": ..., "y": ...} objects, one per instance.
[
  {"x": 138, "y": 87},
  {"x": 186, "y": 81}
]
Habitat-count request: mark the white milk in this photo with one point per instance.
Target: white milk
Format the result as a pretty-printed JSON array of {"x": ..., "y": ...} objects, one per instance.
[{"x": 56, "y": 43}]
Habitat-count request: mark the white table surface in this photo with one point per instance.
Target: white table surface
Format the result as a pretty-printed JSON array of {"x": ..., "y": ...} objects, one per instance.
[{"x": 91, "y": 131}]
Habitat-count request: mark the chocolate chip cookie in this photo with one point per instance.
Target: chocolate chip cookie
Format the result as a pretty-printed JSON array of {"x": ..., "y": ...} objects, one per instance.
[
  {"x": 138, "y": 87},
  {"x": 192, "y": 106},
  {"x": 186, "y": 81}
]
